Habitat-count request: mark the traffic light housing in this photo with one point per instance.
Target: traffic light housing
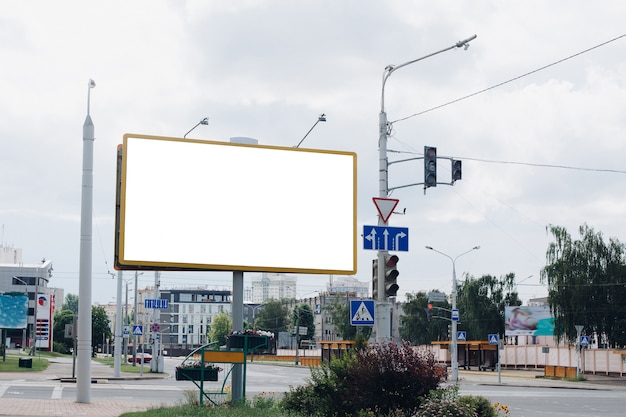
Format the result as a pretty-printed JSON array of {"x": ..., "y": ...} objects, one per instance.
[
  {"x": 430, "y": 166},
  {"x": 391, "y": 275},
  {"x": 456, "y": 170},
  {"x": 375, "y": 279},
  {"x": 429, "y": 312}
]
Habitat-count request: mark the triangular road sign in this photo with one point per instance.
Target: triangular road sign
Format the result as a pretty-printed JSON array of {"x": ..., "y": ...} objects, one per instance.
[
  {"x": 362, "y": 314},
  {"x": 385, "y": 207}
]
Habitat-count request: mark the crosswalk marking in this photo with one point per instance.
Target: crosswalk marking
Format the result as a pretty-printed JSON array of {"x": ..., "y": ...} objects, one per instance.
[{"x": 57, "y": 393}]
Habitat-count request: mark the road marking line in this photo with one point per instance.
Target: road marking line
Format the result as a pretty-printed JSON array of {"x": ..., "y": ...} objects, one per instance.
[
  {"x": 57, "y": 393},
  {"x": 3, "y": 389}
]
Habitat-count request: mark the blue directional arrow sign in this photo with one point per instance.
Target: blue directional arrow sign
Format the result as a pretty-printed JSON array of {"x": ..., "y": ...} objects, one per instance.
[
  {"x": 362, "y": 312},
  {"x": 395, "y": 239}
]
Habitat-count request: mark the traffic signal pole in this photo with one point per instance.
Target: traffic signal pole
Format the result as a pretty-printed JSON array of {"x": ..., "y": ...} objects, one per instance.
[{"x": 383, "y": 306}]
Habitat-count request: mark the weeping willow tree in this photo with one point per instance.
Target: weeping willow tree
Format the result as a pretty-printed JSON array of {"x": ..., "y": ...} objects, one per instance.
[{"x": 586, "y": 285}]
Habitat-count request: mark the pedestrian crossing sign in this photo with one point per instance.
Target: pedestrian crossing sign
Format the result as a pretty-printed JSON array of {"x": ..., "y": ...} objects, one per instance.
[
  {"x": 362, "y": 312},
  {"x": 493, "y": 339},
  {"x": 461, "y": 336},
  {"x": 137, "y": 330}
]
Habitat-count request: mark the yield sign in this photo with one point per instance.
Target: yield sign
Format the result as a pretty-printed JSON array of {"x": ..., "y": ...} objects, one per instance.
[{"x": 385, "y": 207}]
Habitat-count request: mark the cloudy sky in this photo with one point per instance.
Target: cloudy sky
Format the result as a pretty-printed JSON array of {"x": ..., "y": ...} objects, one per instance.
[{"x": 266, "y": 69}]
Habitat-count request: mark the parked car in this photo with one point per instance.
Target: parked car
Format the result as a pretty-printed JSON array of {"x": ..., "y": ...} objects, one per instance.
[{"x": 146, "y": 358}]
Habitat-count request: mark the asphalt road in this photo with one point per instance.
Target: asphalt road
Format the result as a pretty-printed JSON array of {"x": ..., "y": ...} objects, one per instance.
[{"x": 521, "y": 391}]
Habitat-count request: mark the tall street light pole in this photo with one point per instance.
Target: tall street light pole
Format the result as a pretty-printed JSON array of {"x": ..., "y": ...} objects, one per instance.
[
  {"x": 83, "y": 378},
  {"x": 383, "y": 307},
  {"x": 453, "y": 336}
]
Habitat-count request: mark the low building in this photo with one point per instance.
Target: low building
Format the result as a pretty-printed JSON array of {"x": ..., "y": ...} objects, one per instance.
[{"x": 32, "y": 280}]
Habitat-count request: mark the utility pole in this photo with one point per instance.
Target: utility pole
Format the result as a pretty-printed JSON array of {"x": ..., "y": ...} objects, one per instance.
[{"x": 383, "y": 307}]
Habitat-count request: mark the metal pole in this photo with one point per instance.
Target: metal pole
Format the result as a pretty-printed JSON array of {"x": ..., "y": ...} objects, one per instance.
[
  {"x": 33, "y": 348},
  {"x": 383, "y": 307},
  {"x": 453, "y": 328},
  {"x": 454, "y": 343},
  {"x": 83, "y": 380},
  {"x": 126, "y": 322},
  {"x": 237, "y": 375},
  {"x": 135, "y": 323},
  {"x": 118, "y": 328}
]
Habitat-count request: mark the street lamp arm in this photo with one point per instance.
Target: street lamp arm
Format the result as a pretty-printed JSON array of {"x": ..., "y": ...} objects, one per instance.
[
  {"x": 204, "y": 121},
  {"x": 389, "y": 69}
]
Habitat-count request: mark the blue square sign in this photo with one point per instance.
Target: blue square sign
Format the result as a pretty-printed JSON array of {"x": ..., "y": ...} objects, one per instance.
[{"x": 362, "y": 312}]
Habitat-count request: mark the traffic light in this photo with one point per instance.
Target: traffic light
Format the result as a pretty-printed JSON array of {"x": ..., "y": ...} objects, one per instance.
[
  {"x": 375, "y": 279},
  {"x": 430, "y": 166},
  {"x": 429, "y": 312},
  {"x": 391, "y": 275},
  {"x": 456, "y": 170}
]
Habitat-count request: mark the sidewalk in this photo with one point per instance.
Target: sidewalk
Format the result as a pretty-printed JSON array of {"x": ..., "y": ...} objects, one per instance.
[
  {"x": 60, "y": 369},
  {"x": 535, "y": 378}
]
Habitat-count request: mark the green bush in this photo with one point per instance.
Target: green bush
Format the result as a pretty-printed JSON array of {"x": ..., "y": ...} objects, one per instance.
[
  {"x": 384, "y": 378},
  {"x": 481, "y": 405}
]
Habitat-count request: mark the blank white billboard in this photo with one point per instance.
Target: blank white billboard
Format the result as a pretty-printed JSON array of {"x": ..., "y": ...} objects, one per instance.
[{"x": 190, "y": 204}]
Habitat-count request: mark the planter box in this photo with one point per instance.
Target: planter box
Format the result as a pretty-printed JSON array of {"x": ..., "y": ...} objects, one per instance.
[
  {"x": 236, "y": 341},
  {"x": 195, "y": 374}
]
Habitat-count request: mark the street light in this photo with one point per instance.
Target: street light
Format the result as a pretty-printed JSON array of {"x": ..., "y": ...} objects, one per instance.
[
  {"x": 453, "y": 343},
  {"x": 204, "y": 121},
  {"x": 383, "y": 313},
  {"x": 321, "y": 118}
]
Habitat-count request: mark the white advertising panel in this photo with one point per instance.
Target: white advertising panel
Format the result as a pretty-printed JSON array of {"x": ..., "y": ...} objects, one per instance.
[{"x": 190, "y": 204}]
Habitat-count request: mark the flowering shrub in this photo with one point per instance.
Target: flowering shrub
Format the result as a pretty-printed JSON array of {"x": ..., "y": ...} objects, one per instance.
[
  {"x": 383, "y": 378},
  {"x": 447, "y": 408},
  {"x": 501, "y": 409},
  {"x": 197, "y": 364},
  {"x": 251, "y": 332}
]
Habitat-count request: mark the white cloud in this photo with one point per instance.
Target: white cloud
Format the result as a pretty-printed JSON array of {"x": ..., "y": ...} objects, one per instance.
[{"x": 267, "y": 69}]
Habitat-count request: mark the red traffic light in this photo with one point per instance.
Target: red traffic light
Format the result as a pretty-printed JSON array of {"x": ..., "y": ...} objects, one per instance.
[{"x": 391, "y": 260}]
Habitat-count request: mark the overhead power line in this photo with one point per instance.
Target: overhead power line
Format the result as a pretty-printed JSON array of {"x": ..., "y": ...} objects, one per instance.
[
  {"x": 616, "y": 171},
  {"x": 510, "y": 80}
]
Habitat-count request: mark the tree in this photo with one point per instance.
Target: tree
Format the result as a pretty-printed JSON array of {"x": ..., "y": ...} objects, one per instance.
[
  {"x": 221, "y": 327},
  {"x": 100, "y": 325},
  {"x": 415, "y": 325},
  {"x": 273, "y": 317},
  {"x": 339, "y": 312},
  {"x": 586, "y": 284},
  {"x": 302, "y": 316},
  {"x": 61, "y": 343},
  {"x": 481, "y": 303},
  {"x": 71, "y": 303}
]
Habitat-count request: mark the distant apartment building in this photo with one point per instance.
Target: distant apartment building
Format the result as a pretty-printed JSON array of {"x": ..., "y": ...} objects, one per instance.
[
  {"x": 273, "y": 286},
  {"x": 186, "y": 321},
  {"x": 349, "y": 284}
]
